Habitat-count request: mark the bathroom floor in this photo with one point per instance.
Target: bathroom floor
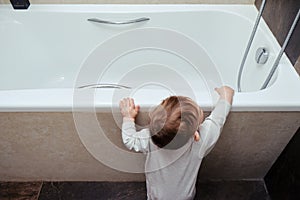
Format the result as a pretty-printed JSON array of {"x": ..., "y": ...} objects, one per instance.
[{"x": 209, "y": 190}]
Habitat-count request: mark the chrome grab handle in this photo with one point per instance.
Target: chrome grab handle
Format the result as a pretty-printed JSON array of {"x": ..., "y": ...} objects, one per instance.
[
  {"x": 142, "y": 19},
  {"x": 105, "y": 85}
]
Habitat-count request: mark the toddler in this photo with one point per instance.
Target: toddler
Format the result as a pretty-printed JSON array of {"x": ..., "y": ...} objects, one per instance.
[{"x": 177, "y": 139}]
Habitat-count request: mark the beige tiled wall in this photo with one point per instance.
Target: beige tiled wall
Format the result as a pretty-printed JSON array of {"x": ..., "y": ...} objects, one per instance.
[
  {"x": 46, "y": 146},
  {"x": 137, "y": 1}
]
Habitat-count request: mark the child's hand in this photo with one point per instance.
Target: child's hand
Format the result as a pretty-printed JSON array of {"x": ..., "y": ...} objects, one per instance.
[
  {"x": 226, "y": 93},
  {"x": 128, "y": 108}
]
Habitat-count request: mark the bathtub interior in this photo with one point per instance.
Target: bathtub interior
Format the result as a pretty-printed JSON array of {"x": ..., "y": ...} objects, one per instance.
[
  {"x": 45, "y": 49},
  {"x": 50, "y": 55}
]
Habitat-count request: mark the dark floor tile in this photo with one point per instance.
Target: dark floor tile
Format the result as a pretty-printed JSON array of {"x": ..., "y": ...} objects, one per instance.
[
  {"x": 93, "y": 190},
  {"x": 19, "y": 190},
  {"x": 231, "y": 190},
  {"x": 209, "y": 190}
]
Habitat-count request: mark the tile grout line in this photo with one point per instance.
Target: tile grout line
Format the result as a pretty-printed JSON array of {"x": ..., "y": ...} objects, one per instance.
[
  {"x": 266, "y": 188},
  {"x": 38, "y": 195}
]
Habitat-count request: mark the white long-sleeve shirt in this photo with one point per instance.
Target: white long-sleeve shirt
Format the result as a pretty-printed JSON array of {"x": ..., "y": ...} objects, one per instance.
[{"x": 172, "y": 174}]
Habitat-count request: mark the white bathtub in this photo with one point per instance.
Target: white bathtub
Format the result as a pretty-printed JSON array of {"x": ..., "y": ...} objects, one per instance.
[{"x": 48, "y": 50}]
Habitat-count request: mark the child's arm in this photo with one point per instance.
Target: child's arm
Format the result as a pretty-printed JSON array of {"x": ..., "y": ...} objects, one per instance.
[
  {"x": 212, "y": 126},
  {"x": 131, "y": 138},
  {"x": 223, "y": 106}
]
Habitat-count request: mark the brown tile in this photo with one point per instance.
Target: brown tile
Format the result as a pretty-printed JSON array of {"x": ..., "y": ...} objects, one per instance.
[
  {"x": 279, "y": 15},
  {"x": 297, "y": 66},
  {"x": 207, "y": 190},
  {"x": 249, "y": 144},
  {"x": 93, "y": 190},
  {"x": 231, "y": 190},
  {"x": 20, "y": 190},
  {"x": 46, "y": 146}
]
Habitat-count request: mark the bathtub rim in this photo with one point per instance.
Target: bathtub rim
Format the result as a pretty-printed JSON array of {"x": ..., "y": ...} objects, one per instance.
[
  {"x": 61, "y": 99},
  {"x": 124, "y": 7}
]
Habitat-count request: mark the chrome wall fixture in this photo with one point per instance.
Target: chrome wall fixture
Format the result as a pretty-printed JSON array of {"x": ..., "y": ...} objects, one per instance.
[{"x": 262, "y": 55}]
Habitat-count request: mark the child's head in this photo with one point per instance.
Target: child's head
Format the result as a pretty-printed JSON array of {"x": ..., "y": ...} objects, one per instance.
[{"x": 174, "y": 122}]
